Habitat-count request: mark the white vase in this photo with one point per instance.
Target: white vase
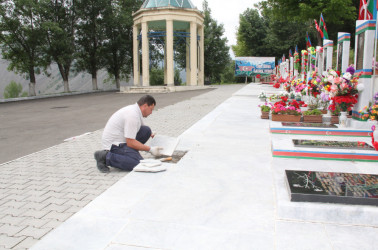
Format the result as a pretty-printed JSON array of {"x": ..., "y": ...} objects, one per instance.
[{"x": 343, "y": 119}]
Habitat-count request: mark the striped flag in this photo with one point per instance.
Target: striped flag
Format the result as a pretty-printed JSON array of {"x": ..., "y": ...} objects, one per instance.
[
  {"x": 296, "y": 49},
  {"x": 368, "y": 10},
  {"x": 322, "y": 24},
  {"x": 290, "y": 53},
  {"x": 308, "y": 41},
  {"x": 318, "y": 28}
]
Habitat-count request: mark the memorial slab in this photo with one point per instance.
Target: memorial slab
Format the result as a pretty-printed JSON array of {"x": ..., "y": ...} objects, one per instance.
[
  {"x": 331, "y": 187},
  {"x": 311, "y": 129}
]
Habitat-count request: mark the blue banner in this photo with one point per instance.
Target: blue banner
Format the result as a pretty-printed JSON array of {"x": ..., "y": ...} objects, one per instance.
[{"x": 252, "y": 66}]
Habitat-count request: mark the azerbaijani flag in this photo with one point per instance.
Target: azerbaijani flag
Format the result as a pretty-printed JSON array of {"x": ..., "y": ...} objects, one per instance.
[
  {"x": 318, "y": 28},
  {"x": 290, "y": 53},
  {"x": 308, "y": 41},
  {"x": 368, "y": 10},
  {"x": 322, "y": 24}
]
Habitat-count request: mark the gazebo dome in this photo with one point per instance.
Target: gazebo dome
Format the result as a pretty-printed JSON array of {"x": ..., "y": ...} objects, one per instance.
[{"x": 168, "y": 3}]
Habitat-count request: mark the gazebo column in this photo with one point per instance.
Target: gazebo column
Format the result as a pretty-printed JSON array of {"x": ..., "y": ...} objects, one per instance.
[
  {"x": 136, "y": 55},
  {"x": 169, "y": 52},
  {"x": 201, "y": 66},
  {"x": 145, "y": 55},
  {"x": 193, "y": 53},
  {"x": 187, "y": 65}
]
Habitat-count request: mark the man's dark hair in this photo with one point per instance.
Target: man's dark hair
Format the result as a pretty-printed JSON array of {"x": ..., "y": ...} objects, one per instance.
[{"x": 146, "y": 99}]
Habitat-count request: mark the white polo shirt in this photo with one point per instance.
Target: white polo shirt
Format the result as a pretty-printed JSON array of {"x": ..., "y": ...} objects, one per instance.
[{"x": 125, "y": 123}]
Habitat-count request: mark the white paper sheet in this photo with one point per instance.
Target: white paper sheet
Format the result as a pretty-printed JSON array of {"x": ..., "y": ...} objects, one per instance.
[{"x": 168, "y": 144}]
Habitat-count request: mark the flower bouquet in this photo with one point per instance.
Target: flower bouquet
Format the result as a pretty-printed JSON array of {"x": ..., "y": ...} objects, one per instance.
[
  {"x": 343, "y": 90},
  {"x": 262, "y": 96}
]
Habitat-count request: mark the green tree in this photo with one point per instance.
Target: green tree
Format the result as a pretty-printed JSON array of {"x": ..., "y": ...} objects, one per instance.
[
  {"x": 216, "y": 50},
  {"x": 339, "y": 14},
  {"x": 251, "y": 34},
  {"x": 283, "y": 34},
  {"x": 228, "y": 75},
  {"x": 59, "y": 18},
  {"x": 22, "y": 38},
  {"x": 90, "y": 36},
  {"x": 117, "y": 49},
  {"x": 12, "y": 90}
]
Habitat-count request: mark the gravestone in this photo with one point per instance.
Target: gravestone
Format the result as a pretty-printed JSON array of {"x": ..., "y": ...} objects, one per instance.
[
  {"x": 363, "y": 57},
  {"x": 330, "y": 187},
  {"x": 291, "y": 66},
  {"x": 304, "y": 57},
  {"x": 327, "y": 54},
  {"x": 319, "y": 59},
  {"x": 343, "y": 47}
]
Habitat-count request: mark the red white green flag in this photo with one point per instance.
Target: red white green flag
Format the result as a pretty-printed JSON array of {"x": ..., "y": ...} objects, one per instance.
[
  {"x": 322, "y": 24},
  {"x": 368, "y": 10}
]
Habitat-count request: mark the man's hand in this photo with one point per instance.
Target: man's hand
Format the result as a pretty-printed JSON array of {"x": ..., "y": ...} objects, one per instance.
[{"x": 155, "y": 150}]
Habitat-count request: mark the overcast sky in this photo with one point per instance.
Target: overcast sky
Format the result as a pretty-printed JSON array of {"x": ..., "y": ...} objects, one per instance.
[{"x": 227, "y": 12}]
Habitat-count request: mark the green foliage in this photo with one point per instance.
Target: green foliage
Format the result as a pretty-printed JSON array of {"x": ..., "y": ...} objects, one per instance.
[
  {"x": 313, "y": 112},
  {"x": 280, "y": 25},
  {"x": 156, "y": 76},
  {"x": 59, "y": 18},
  {"x": 216, "y": 50},
  {"x": 117, "y": 49},
  {"x": 12, "y": 90},
  {"x": 251, "y": 34},
  {"x": 22, "y": 38},
  {"x": 177, "y": 78},
  {"x": 265, "y": 108},
  {"x": 338, "y": 14},
  {"x": 228, "y": 75}
]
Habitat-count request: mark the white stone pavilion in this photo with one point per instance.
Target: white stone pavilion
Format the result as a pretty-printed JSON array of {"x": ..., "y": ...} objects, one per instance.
[{"x": 172, "y": 18}]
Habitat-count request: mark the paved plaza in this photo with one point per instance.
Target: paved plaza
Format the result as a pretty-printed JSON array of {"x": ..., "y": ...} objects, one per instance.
[
  {"x": 41, "y": 190},
  {"x": 227, "y": 192}
]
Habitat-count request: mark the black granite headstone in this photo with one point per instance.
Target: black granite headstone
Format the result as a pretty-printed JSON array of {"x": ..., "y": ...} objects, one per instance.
[
  {"x": 353, "y": 145},
  {"x": 330, "y": 187}
]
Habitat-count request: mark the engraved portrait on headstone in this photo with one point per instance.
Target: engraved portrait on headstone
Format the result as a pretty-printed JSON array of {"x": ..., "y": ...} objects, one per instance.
[
  {"x": 360, "y": 51},
  {"x": 325, "y": 59},
  {"x": 339, "y": 56}
]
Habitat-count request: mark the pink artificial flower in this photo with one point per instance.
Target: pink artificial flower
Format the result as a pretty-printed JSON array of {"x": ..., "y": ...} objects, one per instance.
[
  {"x": 337, "y": 80},
  {"x": 333, "y": 88}
]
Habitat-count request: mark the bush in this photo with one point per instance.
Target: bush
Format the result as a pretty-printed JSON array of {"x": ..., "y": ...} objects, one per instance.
[
  {"x": 12, "y": 90},
  {"x": 313, "y": 112},
  {"x": 156, "y": 77}
]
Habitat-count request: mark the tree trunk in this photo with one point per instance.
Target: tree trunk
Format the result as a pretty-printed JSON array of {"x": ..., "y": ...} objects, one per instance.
[
  {"x": 66, "y": 86},
  {"x": 64, "y": 74},
  {"x": 117, "y": 80},
  {"x": 32, "y": 89},
  {"x": 32, "y": 82},
  {"x": 94, "y": 80}
]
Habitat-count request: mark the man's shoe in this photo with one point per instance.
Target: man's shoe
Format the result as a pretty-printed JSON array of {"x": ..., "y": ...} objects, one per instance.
[{"x": 100, "y": 157}]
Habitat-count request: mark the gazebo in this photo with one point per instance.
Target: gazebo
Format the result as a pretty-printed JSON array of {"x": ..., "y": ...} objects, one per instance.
[{"x": 166, "y": 19}]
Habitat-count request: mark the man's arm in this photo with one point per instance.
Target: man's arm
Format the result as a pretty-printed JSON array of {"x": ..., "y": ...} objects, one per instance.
[{"x": 133, "y": 143}]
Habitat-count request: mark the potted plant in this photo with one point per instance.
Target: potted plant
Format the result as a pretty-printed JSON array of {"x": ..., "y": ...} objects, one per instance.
[
  {"x": 285, "y": 113},
  {"x": 313, "y": 116},
  {"x": 265, "y": 110},
  {"x": 262, "y": 96}
]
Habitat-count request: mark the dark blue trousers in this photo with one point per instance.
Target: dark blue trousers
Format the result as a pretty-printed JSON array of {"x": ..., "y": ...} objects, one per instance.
[{"x": 126, "y": 158}]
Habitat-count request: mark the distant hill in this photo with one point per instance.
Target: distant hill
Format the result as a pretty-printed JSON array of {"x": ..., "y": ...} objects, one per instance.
[{"x": 53, "y": 84}]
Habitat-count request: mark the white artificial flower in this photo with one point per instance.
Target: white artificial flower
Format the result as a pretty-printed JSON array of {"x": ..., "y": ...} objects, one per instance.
[
  {"x": 347, "y": 76},
  {"x": 360, "y": 87},
  {"x": 332, "y": 72}
]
